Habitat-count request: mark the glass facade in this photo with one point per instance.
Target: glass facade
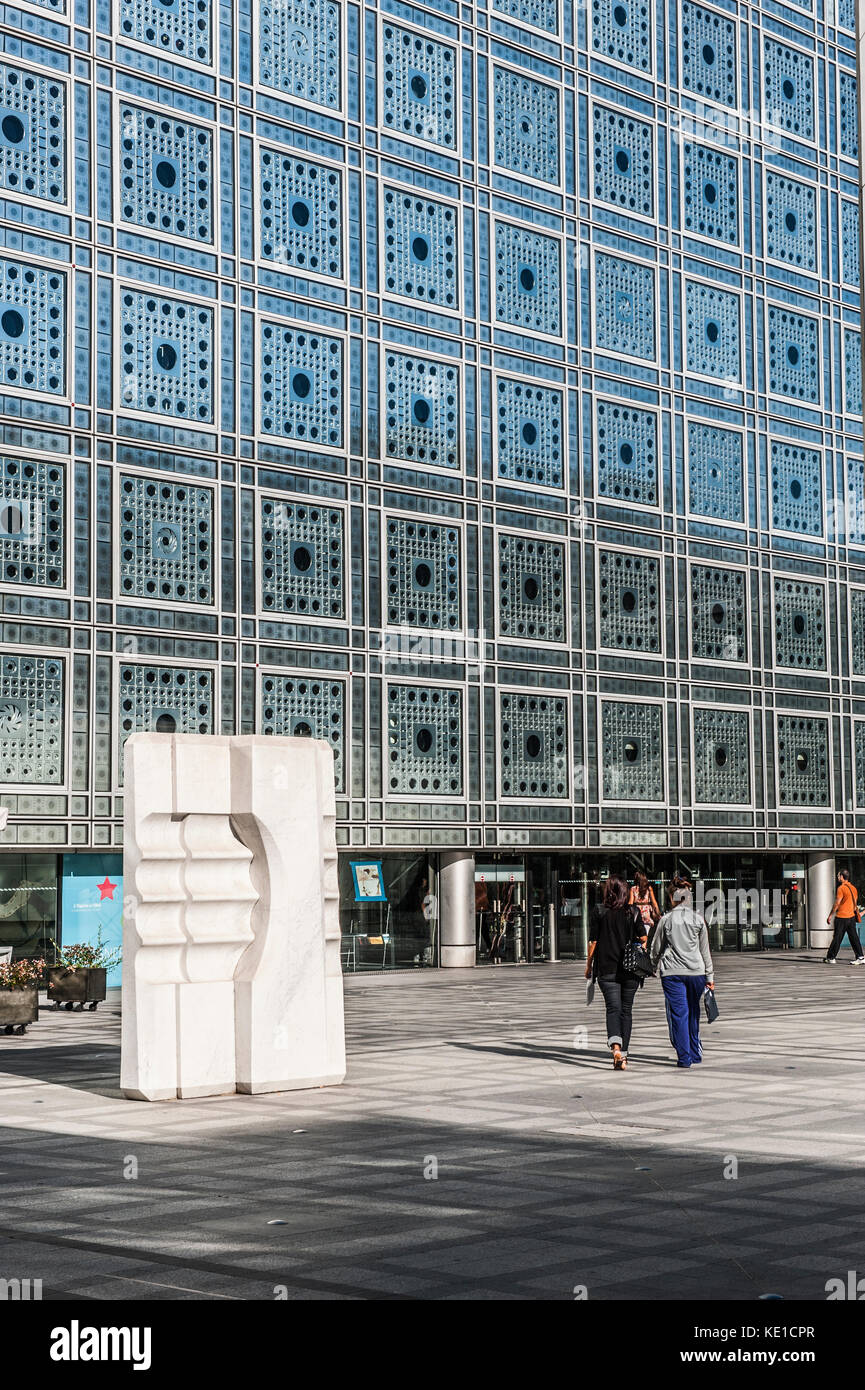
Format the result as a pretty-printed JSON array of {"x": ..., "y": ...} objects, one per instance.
[{"x": 474, "y": 386}]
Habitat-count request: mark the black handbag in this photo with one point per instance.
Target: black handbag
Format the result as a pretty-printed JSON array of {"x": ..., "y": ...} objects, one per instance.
[
  {"x": 710, "y": 1004},
  {"x": 636, "y": 961}
]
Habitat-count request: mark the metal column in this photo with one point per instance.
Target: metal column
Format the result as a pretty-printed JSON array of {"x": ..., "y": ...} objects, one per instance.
[
  {"x": 457, "y": 907},
  {"x": 821, "y": 896}
]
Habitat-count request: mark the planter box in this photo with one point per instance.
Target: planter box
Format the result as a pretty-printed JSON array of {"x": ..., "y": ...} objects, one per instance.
[
  {"x": 18, "y": 1007},
  {"x": 84, "y": 985}
]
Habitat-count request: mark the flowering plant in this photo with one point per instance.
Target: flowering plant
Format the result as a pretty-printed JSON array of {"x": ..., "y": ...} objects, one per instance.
[
  {"x": 21, "y": 973},
  {"x": 81, "y": 955}
]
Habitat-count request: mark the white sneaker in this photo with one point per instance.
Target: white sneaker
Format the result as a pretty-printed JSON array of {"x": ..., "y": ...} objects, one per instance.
[
  {"x": 827, "y": 960},
  {"x": 858, "y": 960}
]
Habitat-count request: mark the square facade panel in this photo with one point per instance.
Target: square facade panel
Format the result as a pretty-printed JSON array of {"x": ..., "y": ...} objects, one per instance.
[
  {"x": 306, "y": 707},
  {"x": 710, "y": 193},
  {"x": 32, "y": 702},
  {"x": 719, "y": 613},
  {"x": 419, "y": 86},
  {"x": 526, "y": 135},
  {"x": 803, "y": 761},
  {"x": 32, "y": 135},
  {"x": 300, "y": 214},
  {"x": 166, "y": 174},
  {"x": 627, "y": 453},
  {"x": 848, "y": 115},
  {"x": 33, "y": 523},
  {"x": 722, "y": 757},
  {"x": 162, "y": 700},
  {"x": 622, "y": 32},
  {"x": 852, "y": 372},
  {"x": 849, "y": 242},
  {"x": 629, "y": 601},
  {"x": 541, "y": 14},
  {"x": 528, "y": 280},
  {"x": 797, "y": 489},
  {"x": 713, "y": 326},
  {"x": 710, "y": 60},
  {"x": 424, "y": 741},
  {"x": 715, "y": 472},
  {"x": 788, "y": 88},
  {"x": 166, "y": 356},
  {"x": 632, "y": 751},
  {"x": 421, "y": 419},
  {"x": 301, "y": 385},
  {"x": 299, "y": 49},
  {"x": 857, "y": 631},
  {"x": 532, "y": 590},
  {"x": 624, "y": 307},
  {"x": 791, "y": 221},
  {"x": 800, "y": 625},
  {"x": 623, "y": 161},
  {"x": 529, "y": 433},
  {"x": 165, "y": 541},
  {"x": 794, "y": 360},
  {"x": 179, "y": 28},
  {"x": 533, "y": 743},
  {"x": 859, "y": 760},
  {"x": 420, "y": 249},
  {"x": 32, "y": 328},
  {"x": 422, "y": 573},
  {"x": 302, "y": 559}
]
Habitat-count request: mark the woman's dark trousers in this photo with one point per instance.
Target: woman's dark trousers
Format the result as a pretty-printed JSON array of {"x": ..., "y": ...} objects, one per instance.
[{"x": 618, "y": 991}]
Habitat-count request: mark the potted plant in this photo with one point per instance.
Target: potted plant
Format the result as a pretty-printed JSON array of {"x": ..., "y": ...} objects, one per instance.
[
  {"x": 19, "y": 994},
  {"x": 79, "y": 974}
]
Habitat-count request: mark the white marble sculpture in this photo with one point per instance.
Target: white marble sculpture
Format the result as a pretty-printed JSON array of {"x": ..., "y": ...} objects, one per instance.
[{"x": 231, "y": 969}]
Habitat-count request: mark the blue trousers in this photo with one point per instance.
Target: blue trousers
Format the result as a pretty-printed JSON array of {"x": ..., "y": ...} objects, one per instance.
[{"x": 682, "y": 996}]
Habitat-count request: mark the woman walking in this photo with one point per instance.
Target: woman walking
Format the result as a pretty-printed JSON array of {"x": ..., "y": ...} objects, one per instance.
[
  {"x": 644, "y": 900},
  {"x": 845, "y": 911},
  {"x": 615, "y": 924},
  {"x": 681, "y": 945}
]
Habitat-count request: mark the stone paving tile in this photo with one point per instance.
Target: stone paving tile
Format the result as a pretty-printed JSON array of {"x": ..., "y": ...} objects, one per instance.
[{"x": 540, "y": 1149}]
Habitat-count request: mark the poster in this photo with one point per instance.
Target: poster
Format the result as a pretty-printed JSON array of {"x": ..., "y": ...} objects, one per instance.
[
  {"x": 92, "y": 898},
  {"x": 368, "y": 882}
]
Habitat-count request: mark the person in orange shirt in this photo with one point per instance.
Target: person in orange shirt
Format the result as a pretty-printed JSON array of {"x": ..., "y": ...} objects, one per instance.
[{"x": 846, "y": 914}]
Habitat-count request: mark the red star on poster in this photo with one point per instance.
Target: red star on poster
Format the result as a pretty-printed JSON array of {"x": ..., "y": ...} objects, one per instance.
[{"x": 106, "y": 889}]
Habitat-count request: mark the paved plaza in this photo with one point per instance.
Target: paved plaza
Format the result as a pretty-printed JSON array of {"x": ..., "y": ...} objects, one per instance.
[{"x": 479, "y": 1149}]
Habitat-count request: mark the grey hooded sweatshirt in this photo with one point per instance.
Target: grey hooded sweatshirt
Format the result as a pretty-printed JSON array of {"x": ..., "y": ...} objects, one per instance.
[{"x": 681, "y": 942}]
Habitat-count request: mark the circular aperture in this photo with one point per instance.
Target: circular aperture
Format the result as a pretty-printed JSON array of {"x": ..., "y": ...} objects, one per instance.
[
  {"x": 421, "y": 411},
  {"x": 422, "y": 574},
  {"x": 13, "y": 129},
  {"x": 301, "y": 385},
  {"x": 533, "y": 746},
  {"x": 793, "y": 355},
  {"x": 166, "y": 356},
  {"x": 11, "y": 520},
  {"x": 626, "y": 453},
  {"x": 302, "y": 558},
  {"x": 418, "y": 86},
  {"x": 708, "y": 54},
  {"x": 802, "y": 761},
  {"x": 713, "y": 331},
  {"x": 799, "y": 624},
  {"x": 531, "y": 588},
  {"x": 166, "y": 541},
  {"x": 166, "y": 174},
  {"x": 12, "y": 322},
  {"x": 719, "y": 613},
  {"x": 710, "y": 192},
  {"x": 788, "y": 87},
  {"x": 165, "y": 724},
  {"x": 791, "y": 221},
  {"x": 795, "y": 489},
  {"x": 302, "y": 730},
  {"x": 299, "y": 213},
  {"x": 623, "y": 161},
  {"x": 527, "y": 279},
  {"x": 529, "y": 433},
  {"x": 620, "y": 16},
  {"x": 721, "y": 756},
  {"x": 424, "y": 740},
  {"x": 420, "y": 248},
  {"x": 632, "y": 751},
  {"x": 629, "y": 600}
]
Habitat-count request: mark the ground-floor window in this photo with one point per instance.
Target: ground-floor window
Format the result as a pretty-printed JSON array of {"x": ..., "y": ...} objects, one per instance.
[
  {"x": 388, "y": 912},
  {"x": 28, "y": 905}
]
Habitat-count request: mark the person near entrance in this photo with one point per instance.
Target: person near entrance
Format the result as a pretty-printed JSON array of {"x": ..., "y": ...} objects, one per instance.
[
  {"x": 615, "y": 924},
  {"x": 643, "y": 898},
  {"x": 681, "y": 947},
  {"x": 847, "y": 916}
]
